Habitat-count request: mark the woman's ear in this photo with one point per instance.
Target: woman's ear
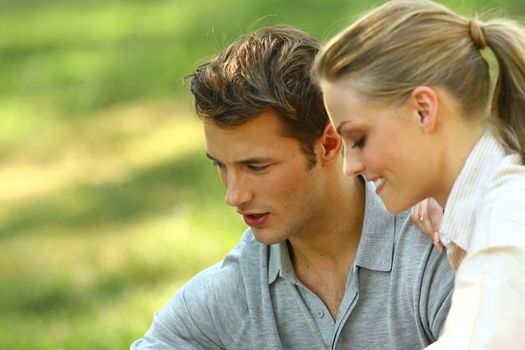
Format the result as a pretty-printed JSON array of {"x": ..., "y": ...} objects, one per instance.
[
  {"x": 330, "y": 144},
  {"x": 425, "y": 104}
]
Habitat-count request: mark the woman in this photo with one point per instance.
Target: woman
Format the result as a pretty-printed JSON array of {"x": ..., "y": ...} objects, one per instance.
[{"x": 408, "y": 89}]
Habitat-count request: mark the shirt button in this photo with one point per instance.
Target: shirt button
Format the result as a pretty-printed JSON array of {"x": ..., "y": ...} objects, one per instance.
[{"x": 320, "y": 313}]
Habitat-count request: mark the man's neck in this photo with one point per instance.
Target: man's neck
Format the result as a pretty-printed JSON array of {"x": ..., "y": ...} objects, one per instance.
[{"x": 322, "y": 261}]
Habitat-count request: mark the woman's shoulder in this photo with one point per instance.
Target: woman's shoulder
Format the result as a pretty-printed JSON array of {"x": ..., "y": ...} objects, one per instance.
[
  {"x": 500, "y": 219},
  {"x": 507, "y": 180}
]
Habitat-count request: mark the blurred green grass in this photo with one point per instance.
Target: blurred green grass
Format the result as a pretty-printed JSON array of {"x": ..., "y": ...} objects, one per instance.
[{"x": 108, "y": 202}]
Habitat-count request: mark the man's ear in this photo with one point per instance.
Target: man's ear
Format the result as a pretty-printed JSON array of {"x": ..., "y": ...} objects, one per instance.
[
  {"x": 424, "y": 103},
  {"x": 330, "y": 144}
]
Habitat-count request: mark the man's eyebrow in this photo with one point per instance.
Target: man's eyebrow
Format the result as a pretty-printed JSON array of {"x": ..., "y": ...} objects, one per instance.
[{"x": 253, "y": 160}]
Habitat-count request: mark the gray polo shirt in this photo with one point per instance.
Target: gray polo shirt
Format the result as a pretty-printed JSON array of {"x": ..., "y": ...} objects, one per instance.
[{"x": 397, "y": 297}]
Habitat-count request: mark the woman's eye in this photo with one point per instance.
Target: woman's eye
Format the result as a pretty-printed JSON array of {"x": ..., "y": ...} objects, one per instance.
[{"x": 359, "y": 143}]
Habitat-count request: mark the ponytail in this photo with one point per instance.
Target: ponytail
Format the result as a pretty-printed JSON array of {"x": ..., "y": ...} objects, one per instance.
[
  {"x": 405, "y": 43},
  {"x": 506, "y": 39}
]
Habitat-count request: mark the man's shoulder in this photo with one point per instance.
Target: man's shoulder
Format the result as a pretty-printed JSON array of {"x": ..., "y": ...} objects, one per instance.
[
  {"x": 412, "y": 249},
  {"x": 396, "y": 228},
  {"x": 211, "y": 309},
  {"x": 408, "y": 234},
  {"x": 227, "y": 278},
  {"x": 215, "y": 300}
]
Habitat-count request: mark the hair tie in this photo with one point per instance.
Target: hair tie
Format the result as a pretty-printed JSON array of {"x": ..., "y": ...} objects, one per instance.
[{"x": 476, "y": 34}]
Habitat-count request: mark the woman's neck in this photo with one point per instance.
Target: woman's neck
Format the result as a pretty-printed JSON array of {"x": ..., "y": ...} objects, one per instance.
[{"x": 461, "y": 138}]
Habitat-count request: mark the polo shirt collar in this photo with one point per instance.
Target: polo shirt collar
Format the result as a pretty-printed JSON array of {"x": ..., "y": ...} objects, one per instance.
[
  {"x": 376, "y": 246},
  {"x": 279, "y": 263},
  {"x": 375, "y": 250}
]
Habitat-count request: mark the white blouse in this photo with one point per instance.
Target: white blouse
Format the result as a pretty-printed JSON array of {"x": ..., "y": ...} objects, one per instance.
[{"x": 484, "y": 230}]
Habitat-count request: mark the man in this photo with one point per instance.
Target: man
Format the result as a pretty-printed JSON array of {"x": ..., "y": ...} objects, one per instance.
[{"x": 323, "y": 265}]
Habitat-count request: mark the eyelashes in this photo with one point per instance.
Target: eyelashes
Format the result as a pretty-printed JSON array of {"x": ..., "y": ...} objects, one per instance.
[
  {"x": 257, "y": 169},
  {"x": 359, "y": 143},
  {"x": 252, "y": 168},
  {"x": 217, "y": 164},
  {"x": 353, "y": 138}
]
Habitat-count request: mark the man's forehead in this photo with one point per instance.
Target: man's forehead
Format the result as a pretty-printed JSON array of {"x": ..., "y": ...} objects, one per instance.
[{"x": 259, "y": 138}]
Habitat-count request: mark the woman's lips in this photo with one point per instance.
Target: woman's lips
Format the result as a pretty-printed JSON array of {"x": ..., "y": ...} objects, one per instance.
[
  {"x": 380, "y": 184},
  {"x": 255, "y": 220}
]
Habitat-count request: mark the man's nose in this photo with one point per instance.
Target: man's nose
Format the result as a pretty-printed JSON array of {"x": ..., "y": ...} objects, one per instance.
[{"x": 237, "y": 191}]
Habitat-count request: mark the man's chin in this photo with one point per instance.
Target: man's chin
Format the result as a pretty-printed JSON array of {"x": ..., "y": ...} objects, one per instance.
[{"x": 266, "y": 237}]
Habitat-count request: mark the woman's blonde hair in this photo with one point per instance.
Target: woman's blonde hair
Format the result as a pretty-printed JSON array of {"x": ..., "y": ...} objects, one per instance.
[{"x": 403, "y": 44}]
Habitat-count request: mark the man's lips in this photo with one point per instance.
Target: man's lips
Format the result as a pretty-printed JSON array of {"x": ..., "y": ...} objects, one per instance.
[{"x": 255, "y": 220}]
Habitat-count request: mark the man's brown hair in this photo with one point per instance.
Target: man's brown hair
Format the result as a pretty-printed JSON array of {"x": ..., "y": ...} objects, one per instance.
[{"x": 268, "y": 69}]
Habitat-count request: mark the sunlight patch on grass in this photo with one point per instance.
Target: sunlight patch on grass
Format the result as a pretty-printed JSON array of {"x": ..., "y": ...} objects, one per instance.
[
  {"x": 80, "y": 259},
  {"x": 108, "y": 324},
  {"x": 105, "y": 148},
  {"x": 20, "y": 121},
  {"x": 110, "y": 279}
]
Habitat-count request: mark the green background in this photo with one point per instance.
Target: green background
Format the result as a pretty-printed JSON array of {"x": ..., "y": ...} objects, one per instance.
[{"x": 107, "y": 202}]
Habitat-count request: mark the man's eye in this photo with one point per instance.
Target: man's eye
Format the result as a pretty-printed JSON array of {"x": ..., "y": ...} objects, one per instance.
[
  {"x": 359, "y": 143},
  {"x": 257, "y": 169},
  {"x": 218, "y": 165}
]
